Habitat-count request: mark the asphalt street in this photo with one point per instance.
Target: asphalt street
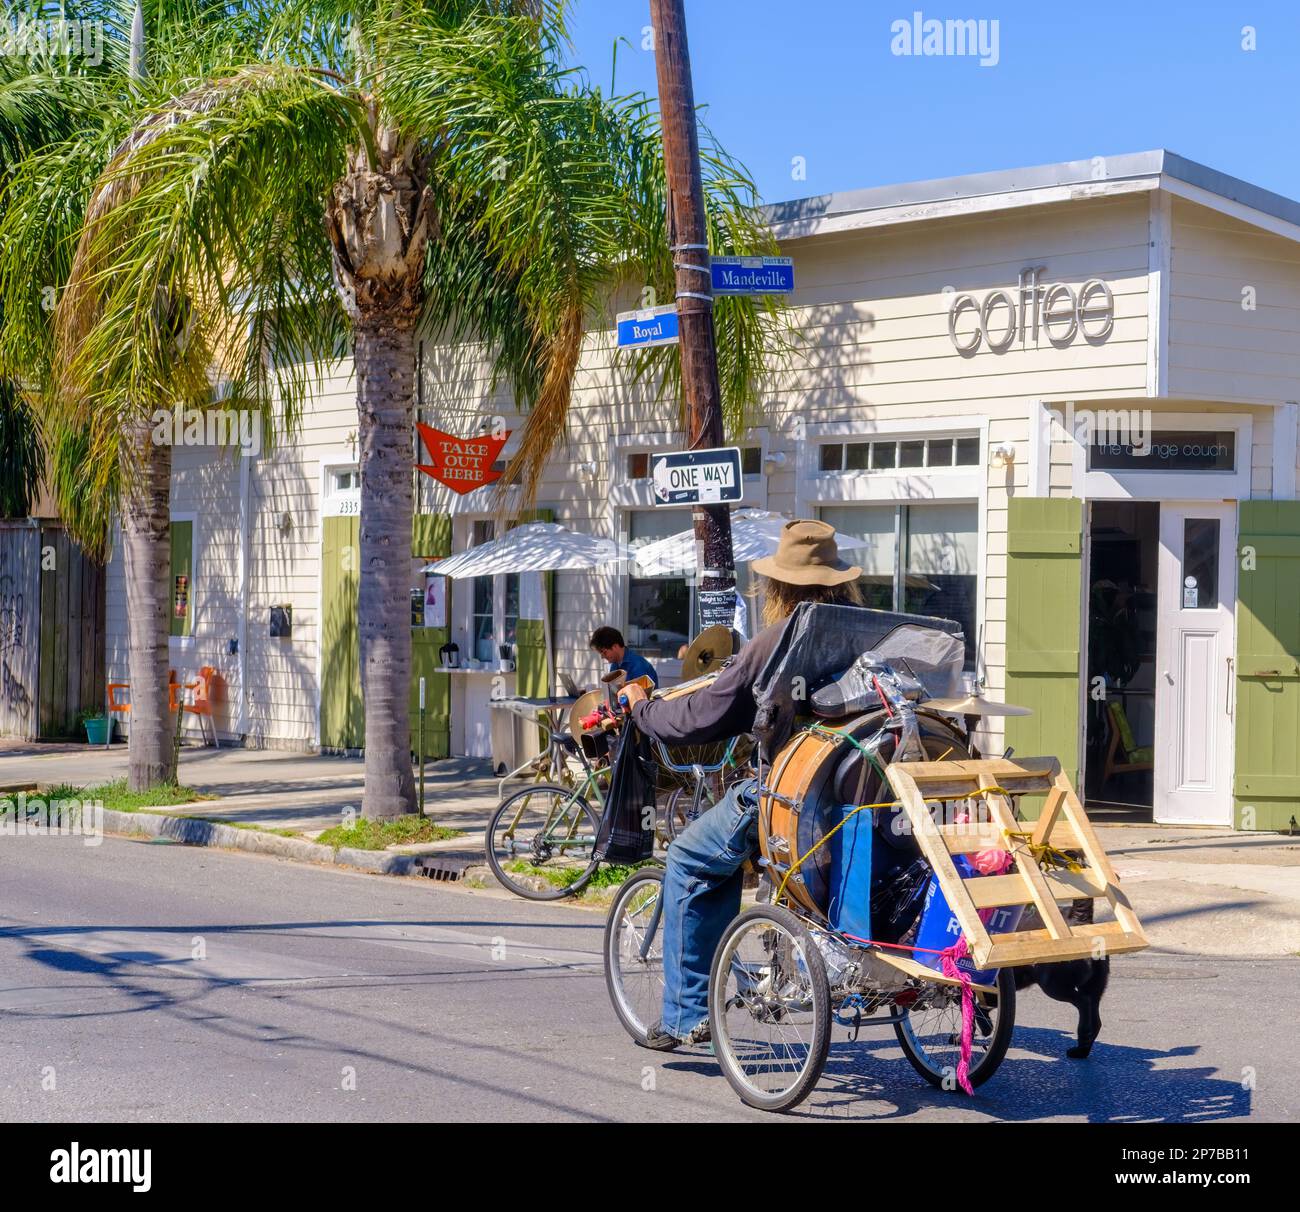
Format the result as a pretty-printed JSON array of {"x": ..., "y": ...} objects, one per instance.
[{"x": 156, "y": 982}]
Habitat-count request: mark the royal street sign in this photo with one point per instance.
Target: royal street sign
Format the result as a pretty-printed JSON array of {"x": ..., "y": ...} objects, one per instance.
[
  {"x": 697, "y": 477},
  {"x": 651, "y": 326},
  {"x": 753, "y": 275}
]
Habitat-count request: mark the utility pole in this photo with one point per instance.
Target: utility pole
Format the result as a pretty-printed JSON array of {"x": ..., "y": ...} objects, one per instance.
[{"x": 689, "y": 238}]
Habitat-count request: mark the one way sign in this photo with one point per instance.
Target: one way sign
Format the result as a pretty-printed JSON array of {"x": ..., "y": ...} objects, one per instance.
[{"x": 697, "y": 477}]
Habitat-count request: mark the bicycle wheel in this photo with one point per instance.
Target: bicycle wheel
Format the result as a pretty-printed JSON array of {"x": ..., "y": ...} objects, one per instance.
[
  {"x": 770, "y": 1008},
  {"x": 634, "y": 966},
  {"x": 541, "y": 842},
  {"x": 930, "y": 1032}
]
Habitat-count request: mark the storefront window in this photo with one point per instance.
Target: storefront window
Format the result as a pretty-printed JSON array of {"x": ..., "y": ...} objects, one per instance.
[
  {"x": 658, "y": 607},
  {"x": 938, "y": 575}
]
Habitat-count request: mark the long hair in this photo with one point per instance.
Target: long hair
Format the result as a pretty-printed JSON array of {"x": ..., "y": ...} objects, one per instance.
[{"x": 782, "y": 597}]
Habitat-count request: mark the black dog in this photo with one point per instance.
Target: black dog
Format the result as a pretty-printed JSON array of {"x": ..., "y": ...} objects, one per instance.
[{"x": 1079, "y": 982}]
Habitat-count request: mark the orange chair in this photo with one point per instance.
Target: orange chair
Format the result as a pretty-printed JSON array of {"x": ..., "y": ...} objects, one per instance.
[{"x": 201, "y": 702}]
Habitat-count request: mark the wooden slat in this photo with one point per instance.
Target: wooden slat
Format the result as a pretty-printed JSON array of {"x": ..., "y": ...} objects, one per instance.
[
  {"x": 968, "y": 839},
  {"x": 1021, "y": 947},
  {"x": 1097, "y": 859},
  {"x": 994, "y": 891},
  {"x": 915, "y": 968}
]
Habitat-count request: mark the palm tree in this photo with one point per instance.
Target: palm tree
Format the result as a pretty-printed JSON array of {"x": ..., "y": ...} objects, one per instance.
[
  {"x": 73, "y": 92},
  {"x": 379, "y": 170}
]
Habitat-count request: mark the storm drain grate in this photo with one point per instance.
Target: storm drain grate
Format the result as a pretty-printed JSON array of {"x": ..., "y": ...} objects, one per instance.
[{"x": 445, "y": 870}]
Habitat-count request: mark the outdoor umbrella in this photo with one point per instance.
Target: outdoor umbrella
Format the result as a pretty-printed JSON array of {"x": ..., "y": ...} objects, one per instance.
[
  {"x": 535, "y": 547},
  {"x": 754, "y": 533}
]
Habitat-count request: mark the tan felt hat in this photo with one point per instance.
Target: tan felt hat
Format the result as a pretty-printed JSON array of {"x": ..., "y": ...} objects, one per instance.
[{"x": 807, "y": 555}]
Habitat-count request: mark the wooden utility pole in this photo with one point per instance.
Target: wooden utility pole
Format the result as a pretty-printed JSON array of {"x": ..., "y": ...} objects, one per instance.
[{"x": 689, "y": 237}]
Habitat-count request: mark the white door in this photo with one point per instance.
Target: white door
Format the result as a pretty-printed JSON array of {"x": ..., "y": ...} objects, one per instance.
[{"x": 1194, "y": 650}]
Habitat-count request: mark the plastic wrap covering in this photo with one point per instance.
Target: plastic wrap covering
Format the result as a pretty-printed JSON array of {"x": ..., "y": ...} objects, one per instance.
[{"x": 822, "y": 641}]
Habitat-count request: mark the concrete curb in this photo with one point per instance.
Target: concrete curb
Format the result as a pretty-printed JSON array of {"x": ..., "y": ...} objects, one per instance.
[{"x": 193, "y": 832}]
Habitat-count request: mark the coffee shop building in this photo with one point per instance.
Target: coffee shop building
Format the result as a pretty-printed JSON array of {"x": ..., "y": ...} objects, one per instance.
[{"x": 1057, "y": 404}]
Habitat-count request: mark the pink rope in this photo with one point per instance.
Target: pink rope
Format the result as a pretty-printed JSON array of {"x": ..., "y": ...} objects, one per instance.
[{"x": 949, "y": 960}]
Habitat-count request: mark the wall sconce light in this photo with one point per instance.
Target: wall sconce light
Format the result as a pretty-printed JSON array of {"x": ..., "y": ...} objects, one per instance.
[
  {"x": 776, "y": 459},
  {"x": 587, "y": 470},
  {"x": 1002, "y": 455},
  {"x": 285, "y": 524}
]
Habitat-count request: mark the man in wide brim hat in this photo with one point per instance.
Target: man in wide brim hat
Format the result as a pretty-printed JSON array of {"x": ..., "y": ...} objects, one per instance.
[{"x": 702, "y": 882}]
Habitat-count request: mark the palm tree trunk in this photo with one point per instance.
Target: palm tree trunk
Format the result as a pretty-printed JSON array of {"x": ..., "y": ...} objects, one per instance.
[
  {"x": 146, "y": 557},
  {"x": 385, "y": 369},
  {"x": 378, "y": 219}
]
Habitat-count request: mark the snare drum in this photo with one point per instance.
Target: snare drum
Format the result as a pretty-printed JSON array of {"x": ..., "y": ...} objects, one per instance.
[{"x": 812, "y": 780}]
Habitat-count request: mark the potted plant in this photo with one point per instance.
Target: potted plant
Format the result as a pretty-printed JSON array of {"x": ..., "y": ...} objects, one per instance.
[{"x": 96, "y": 724}]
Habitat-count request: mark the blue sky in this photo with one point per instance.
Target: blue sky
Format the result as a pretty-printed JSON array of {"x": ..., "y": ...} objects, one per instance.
[{"x": 818, "y": 79}]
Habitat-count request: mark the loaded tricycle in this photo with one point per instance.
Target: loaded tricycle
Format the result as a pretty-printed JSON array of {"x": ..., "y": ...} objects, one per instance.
[{"x": 899, "y": 883}]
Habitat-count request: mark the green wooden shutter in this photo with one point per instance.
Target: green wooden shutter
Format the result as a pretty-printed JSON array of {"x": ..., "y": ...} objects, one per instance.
[
  {"x": 1266, "y": 783},
  {"x": 532, "y": 662},
  {"x": 182, "y": 561},
  {"x": 1044, "y": 547},
  {"x": 431, "y": 540},
  {"x": 342, "y": 715}
]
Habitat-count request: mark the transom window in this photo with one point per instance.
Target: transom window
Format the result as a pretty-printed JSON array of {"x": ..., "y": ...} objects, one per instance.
[{"x": 900, "y": 454}]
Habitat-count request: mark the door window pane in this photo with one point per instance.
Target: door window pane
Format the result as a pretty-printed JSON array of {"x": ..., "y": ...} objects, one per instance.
[
  {"x": 876, "y": 524},
  {"x": 1200, "y": 588}
]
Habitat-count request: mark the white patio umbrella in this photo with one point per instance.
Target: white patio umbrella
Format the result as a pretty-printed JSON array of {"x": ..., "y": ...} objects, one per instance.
[
  {"x": 754, "y": 533},
  {"x": 534, "y": 547}
]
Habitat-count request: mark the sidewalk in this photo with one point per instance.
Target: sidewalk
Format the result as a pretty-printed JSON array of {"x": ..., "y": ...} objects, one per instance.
[{"x": 1202, "y": 891}]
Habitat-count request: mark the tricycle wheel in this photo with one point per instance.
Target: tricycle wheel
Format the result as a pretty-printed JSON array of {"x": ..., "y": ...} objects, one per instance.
[
  {"x": 931, "y": 1035},
  {"x": 770, "y": 1008}
]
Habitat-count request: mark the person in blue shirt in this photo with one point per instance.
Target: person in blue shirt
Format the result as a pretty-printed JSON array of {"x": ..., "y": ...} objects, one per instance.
[{"x": 608, "y": 641}]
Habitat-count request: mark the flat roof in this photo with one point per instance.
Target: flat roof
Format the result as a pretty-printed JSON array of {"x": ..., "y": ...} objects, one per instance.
[{"x": 917, "y": 199}]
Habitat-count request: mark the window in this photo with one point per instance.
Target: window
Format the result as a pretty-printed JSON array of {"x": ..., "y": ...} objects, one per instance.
[
  {"x": 344, "y": 479},
  {"x": 181, "y": 611},
  {"x": 936, "y": 572},
  {"x": 482, "y": 625},
  {"x": 1200, "y": 563},
  {"x": 751, "y": 460},
  {"x": 658, "y": 607},
  {"x": 638, "y": 465},
  {"x": 893, "y": 454}
]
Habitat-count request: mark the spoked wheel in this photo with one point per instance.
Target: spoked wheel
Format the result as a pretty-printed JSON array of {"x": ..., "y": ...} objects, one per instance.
[
  {"x": 634, "y": 954},
  {"x": 541, "y": 842},
  {"x": 931, "y": 1034},
  {"x": 770, "y": 1008}
]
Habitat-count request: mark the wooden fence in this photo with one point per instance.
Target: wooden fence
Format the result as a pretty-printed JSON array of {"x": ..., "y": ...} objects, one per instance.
[{"x": 51, "y": 631}]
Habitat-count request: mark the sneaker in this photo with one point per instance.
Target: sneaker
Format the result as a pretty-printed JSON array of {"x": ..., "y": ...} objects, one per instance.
[
  {"x": 700, "y": 1033},
  {"x": 660, "y": 1040}
]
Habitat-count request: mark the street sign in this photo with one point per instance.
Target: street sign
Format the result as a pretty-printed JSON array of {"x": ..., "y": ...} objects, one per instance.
[
  {"x": 650, "y": 326},
  {"x": 753, "y": 275},
  {"x": 697, "y": 477}
]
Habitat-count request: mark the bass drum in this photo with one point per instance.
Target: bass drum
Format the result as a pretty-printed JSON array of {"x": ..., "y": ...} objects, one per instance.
[{"x": 815, "y": 776}]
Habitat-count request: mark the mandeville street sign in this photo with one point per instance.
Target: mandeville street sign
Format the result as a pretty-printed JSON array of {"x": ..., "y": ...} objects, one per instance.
[
  {"x": 650, "y": 326},
  {"x": 753, "y": 275},
  {"x": 697, "y": 477}
]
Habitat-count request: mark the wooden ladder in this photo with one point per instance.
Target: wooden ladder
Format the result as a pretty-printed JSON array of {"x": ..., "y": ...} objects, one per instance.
[{"x": 1063, "y": 825}]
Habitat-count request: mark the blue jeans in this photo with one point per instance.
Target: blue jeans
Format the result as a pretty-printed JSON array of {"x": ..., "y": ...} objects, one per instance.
[{"x": 701, "y": 896}]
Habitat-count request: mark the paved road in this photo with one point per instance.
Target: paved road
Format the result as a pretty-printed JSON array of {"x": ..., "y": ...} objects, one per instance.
[{"x": 448, "y": 1004}]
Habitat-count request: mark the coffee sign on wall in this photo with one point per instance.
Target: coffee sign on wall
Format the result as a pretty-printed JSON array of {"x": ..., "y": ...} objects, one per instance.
[{"x": 1057, "y": 312}]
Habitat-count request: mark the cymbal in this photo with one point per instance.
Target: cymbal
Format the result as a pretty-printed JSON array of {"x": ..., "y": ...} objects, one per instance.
[
  {"x": 974, "y": 704},
  {"x": 707, "y": 651}
]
